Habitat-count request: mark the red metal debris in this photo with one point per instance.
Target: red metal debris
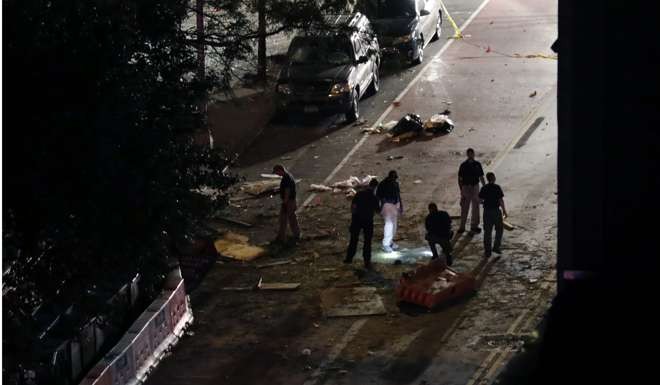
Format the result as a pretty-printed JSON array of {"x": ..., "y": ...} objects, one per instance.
[{"x": 433, "y": 284}]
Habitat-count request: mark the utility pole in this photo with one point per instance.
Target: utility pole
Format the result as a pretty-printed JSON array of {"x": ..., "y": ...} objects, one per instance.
[{"x": 261, "y": 44}]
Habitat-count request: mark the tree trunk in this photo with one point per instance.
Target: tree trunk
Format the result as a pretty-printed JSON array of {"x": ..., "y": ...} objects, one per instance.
[
  {"x": 261, "y": 44},
  {"x": 200, "y": 38},
  {"x": 201, "y": 65}
]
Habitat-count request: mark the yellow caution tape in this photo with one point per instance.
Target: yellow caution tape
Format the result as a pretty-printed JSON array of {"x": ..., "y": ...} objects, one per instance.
[
  {"x": 535, "y": 56},
  {"x": 457, "y": 31}
]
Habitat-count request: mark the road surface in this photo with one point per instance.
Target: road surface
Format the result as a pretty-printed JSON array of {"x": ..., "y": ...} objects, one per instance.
[{"x": 504, "y": 106}]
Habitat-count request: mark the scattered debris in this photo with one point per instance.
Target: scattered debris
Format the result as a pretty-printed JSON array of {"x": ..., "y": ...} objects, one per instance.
[
  {"x": 396, "y": 103},
  {"x": 488, "y": 49},
  {"x": 306, "y": 352},
  {"x": 532, "y": 94},
  {"x": 439, "y": 123},
  {"x": 316, "y": 157},
  {"x": 285, "y": 262},
  {"x": 350, "y": 193},
  {"x": 278, "y": 286},
  {"x": 236, "y": 222},
  {"x": 190, "y": 333},
  {"x": 319, "y": 188},
  {"x": 316, "y": 325},
  {"x": 391, "y": 157},
  {"x": 343, "y": 372},
  {"x": 354, "y": 301},
  {"x": 418, "y": 181},
  {"x": 409, "y": 123},
  {"x": 271, "y": 176},
  {"x": 258, "y": 188},
  {"x": 433, "y": 284},
  {"x": 236, "y": 246}
]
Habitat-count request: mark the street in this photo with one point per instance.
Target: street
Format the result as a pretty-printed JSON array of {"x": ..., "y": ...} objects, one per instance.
[{"x": 501, "y": 87}]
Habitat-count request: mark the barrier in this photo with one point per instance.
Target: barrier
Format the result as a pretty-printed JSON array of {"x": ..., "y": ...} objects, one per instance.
[{"x": 155, "y": 332}]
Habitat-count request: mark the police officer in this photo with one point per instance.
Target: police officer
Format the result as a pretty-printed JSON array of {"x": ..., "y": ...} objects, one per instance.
[
  {"x": 289, "y": 206},
  {"x": 391, "y": 207},
  {"x": 492, "y": 197},
  {"x": 363, "y": 207},
  {"x": 438, "y": 231},
  {"x": 469, "y": 175}
]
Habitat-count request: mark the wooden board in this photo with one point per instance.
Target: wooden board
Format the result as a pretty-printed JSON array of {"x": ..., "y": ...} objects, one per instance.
[{"x": 279, "y": 286}]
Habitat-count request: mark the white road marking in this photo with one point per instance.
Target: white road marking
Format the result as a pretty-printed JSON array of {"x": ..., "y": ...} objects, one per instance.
[
  {"x": 336, "y": 350},
  {"x": 391, "y": 106}
]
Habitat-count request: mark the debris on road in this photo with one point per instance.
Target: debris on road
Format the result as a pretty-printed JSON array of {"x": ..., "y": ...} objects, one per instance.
[
  {"x": 259, "y": 188},
  {"x": 433, "y": 284},
  {"x": 271, "y": 176},
  {"x": 409, "y": 123},
  {"x": 396, "y": 103},
  {"x": 350, "y": 193},
  {"x": 418, "y": 181},
  {"x": 391, "y": 157},
  {"x": 439, "y": 123},
  {"x": 532, "y": 94},
  {"x": 349, "y": 302},
  {"x": 235, "y": 222},
  {"x": 319, "y": 188},
  {"x": 278, "y": 286},
  {"x": 306, "y": 352},
  {"x": 508, "y": 225},
  {"x": 278, "y": 263},
  {"x": 236, "y": 246}
]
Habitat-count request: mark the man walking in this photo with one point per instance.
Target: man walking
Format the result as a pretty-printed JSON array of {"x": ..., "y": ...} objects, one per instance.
[
  {"x": 438, "y": 231},
  {"x": 363, "y": 207},
  {"x": 288, "y": 208},
  {"x": 493, "y": 199},
  {"x": 391, "y": 206},
  {"x": 469, "y": 175}
]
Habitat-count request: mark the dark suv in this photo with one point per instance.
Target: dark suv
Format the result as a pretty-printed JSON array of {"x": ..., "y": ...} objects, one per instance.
[
  {"x": 404, "y": 27},
  {"x": 328, "y": 72}
]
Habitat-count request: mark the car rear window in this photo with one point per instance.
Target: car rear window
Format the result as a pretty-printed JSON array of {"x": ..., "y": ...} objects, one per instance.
[{"x": 329, "y": 50}]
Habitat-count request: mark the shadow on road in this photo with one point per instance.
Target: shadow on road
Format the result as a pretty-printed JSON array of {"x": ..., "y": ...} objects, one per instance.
[
  {"x": 388, "y": 144},
  {"x": 279, "y": 138}
]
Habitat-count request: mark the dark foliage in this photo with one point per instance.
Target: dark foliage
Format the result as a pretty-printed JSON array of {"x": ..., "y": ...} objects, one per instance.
[{"x": 100, "y": 169}]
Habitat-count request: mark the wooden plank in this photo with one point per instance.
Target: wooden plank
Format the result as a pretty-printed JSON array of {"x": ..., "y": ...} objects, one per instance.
[
  {"x": 279, "y": 286},
  {"x": 285, "y": 262}
]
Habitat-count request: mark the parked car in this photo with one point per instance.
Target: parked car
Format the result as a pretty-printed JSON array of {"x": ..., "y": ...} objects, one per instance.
[
  {"x": 404, "y": 27},
  {"x": 330, "y": 71}
]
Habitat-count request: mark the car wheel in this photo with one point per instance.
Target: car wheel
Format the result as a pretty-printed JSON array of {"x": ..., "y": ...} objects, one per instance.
[
  {"x": 353, "y": 112},
  {"x": 375, "y": 83},
  {"x": 420, "y": 52},
  {"x": 438, "y": 28}
]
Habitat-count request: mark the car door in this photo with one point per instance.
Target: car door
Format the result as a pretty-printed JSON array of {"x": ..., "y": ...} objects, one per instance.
[
  {"x": 363, "y": 70},
  {"x": 426, "y": 22}
]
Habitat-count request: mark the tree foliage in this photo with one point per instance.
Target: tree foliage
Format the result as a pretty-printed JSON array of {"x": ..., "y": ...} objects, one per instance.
[
  {"x": 232, "y": 29},
  {"x": 99, "y": 163}
]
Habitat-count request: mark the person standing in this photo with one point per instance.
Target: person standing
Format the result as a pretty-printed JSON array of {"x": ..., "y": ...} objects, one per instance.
[
  {"x": 289, "y": 206},
  {"x": 469, "y": 175},
  {"x": 493, "y": 199},
  {"x": 363, "y": 207},
  {"x": 438, "y": 231},
  {"x": 391, "y": 207}
]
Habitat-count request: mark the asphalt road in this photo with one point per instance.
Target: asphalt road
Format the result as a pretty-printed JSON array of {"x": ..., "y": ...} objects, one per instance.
[{"x": 503, "y": 104}]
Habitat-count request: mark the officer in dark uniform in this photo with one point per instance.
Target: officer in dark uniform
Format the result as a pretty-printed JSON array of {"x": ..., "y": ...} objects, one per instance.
[
  {"x": 492, "y": 198},
  {"x": 363, "y": 207},
  {"x": 438, "y": 231},
  {"x": 289, "y": 205}
]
